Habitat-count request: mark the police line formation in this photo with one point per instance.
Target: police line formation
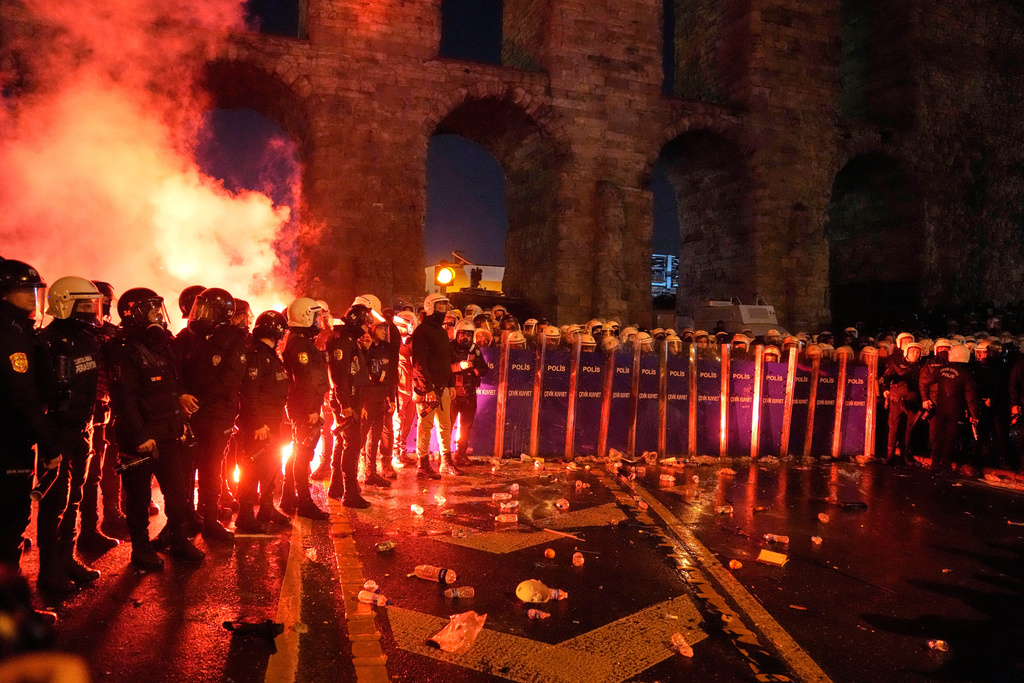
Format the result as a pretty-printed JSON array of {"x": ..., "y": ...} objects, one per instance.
[{"x": 92, "y": 411}]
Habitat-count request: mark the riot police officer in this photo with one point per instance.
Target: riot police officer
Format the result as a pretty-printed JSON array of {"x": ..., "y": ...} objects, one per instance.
[
  {"x": 900, "y": 384},
  {"x": 308, "y": 382},
  {"x": 468, "y": 366},
  {"x": 76, "y": 306},
  {"x": 953, "y": 398},
  {"x": 260, "y": 420},
  {"x": 24, "y": 374},
  {"x": 350, "y": 377},
  {"x": 433, "y": 381},
  {"x": 149, "y": 413},
  {"x": 213, "y": 367}
]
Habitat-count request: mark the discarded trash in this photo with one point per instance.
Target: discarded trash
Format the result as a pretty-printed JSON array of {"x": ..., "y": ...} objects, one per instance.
[
  {"x": 769, "y": 557},
  {"x": 514, "y": 488},
  {"x": 549, "y": 553},
  {"x": 577, "y": 559},
  {"x": 579, "y": 484},
  {"x": 459, "y": 634},
  {"x": 777, "y": 538},
  {"x": 562, "y": 504},
  {"x": 371, "y": 598},
  {"x": 695, "y": 479},
  {"x": 823, "y": 518},
  {"x": 533, "y": 613},
  {"x": 533, "y": 590},
  {"x": 1014, "y": 523},
  {"x": 509, "y": 518},
  {"x": 725, "y": 471},
  {"x": 940, "y": 645},
  {"x": 667, "y": 479},
  {"x": 864, "y": 459},
  {"x": 416, "y": 508},
  {"x": 946, "y": 571},
  {"x": 681, "y": 646},
  {"x": 538, "y": 463},
  {"x": 509, "y": 505},
  {"x": 816, "y": 540},
  {"x": 563, "y": 534},
  {"x": 801, "y": 608},
  {"x": 448, "y": 513},
  {"x": 459, "y": 532},
  {"x": 557, "y": 594},
  {"x": 460, "y": 592},
  {"x": 524, "y": 457},
  {"x": 311, "y": 554},
  {"x": 761, "y": 508},
  {"x": 641, "y": 505},
  {"x": 300, "y": 627},
  {"x": 500, "y": 496},
  {"x": 371, "y": 586},
  {"x": 432, "y": 573},
  {"x": 440, "y": 499},
  {"x": 386, "y": 546},
  {"x": 735, "y": 564},
  {"x": 723, "y": 510}
]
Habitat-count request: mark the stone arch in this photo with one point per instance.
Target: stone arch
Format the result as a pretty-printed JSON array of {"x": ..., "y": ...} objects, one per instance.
[
  {"x": 519, "y": 131},
  {"x": 728, "y": 127},
  {"x": 875, "y": 231},
  {"x": 710, "y": 176}
]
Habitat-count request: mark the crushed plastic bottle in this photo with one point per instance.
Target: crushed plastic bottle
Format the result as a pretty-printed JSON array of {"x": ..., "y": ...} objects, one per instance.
[
  {"x": 514, "y": 488},
  {"x": 823, "y": 518},
  {"x": 777, "y": 538},
  {"x": 500, "y": 496},
  {"x": 735, "y": 564},
  {"x": 460, "y": 592},
  {"x": 371, "y": 598},
  {"x": 459, "y": 532},
  {"x": 577, "y": 559},
  {"x": 667, "y": 479},
  {"x": 508, "y": 518},
  {"x": 695, "y": 479},
  {"x": 416, "y": 508},
  {"x": 371, "y": 586},
  {"x": 681, "y": 646},
  {"x": 509, "y": 505},
  {"x": 534, "y": 613},
  {"x": 816, "y": 540},
  {"x": 440, "y": 499},
  {"x": 723, "y": 510},
  {"x": 386, "y": 546},
  {"x": 939, "y": 645},
  {"x": 562, "y": 504},
  {"x": 432, "y": 573},
  {"x": 579, "y": 484},
  {"x": 557, "y": 594}
]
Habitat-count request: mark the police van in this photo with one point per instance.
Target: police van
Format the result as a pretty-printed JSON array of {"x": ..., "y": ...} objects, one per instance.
[{"x": 733, "y": 316}]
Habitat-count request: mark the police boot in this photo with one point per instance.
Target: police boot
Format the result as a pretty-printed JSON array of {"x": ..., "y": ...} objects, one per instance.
[
  {"x": 114, "y": 523},
  {"x": 269, "y": 514},
  {"x": 213, "y": 530},
  {"x": 461, "y": 459},
  {"x": 372, "y": 478},
  {"x": 337, "y": 488},
  {"x": 75, "y": 569},
  {"x": 352, "y": 498},
  {"x": 448, "y": 466},
  {"x": 94, "y": 542},
  {"x": 308, "y": 509},
  {"x": 387, "y": 469},
  {"x": 323, "y": 470},
  {"x": 52, "y": 577},
  {"x": 289, "y": 501},
  {"x": 145, "y": 558},
  {"x": 425, "y": 471},
  {"x": 246, "y": 521},
  {"x": 181, "y": 547}
]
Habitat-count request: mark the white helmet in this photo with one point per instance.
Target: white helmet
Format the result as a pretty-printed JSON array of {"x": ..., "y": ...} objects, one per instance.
[
  {"x": 369, "y": 300},
  {"x": 902, "y": 339},
  {"x": 959, "y": 354},
  {"x": 516, "y": 340},
  {"x": 432, "y": 300},
  {"x": 303, "y": 312},
  {"x": 587, "y": 342},
  {"x": 465, "y": 325},
  {"x": 75, "y": 297},
  {"x": 408, "y": 321},
  {"x": 472, "y": 311}
]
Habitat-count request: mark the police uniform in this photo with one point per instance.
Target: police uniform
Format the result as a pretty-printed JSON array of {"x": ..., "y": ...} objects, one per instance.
[
  {"x": 350, "y": 378},
  {"x": 464, "y": 400},
  {"x": 376, "y": 401},
  {"x": 901, "y": 379},
  {"x": 308, "y": 382},
  {"x": 955, "y": 397},
  {"x": 23, "y": 369}
]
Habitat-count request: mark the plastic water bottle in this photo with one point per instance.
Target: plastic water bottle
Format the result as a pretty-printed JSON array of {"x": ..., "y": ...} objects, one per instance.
[
  {"x": 439, "y": 499},
  {"x": 940, "y": 645},
  {"x": 577, "y": 559},
  {"x": 723, "y": 510},
  {"x": 371, "y": 598},
  {"x": 537, "y": 614},
  {"x": 500, "y": 496},
  {"x": 557, "y": 594},
  {"x": 514, "y": 488},
  {"x": 432, "y": 573},
  {"x": 461, "y": 592},
  {"x": 777, "y": 538},
  {"x": 681, "y": 646},
  {"x": 562, "y": 504},
  {"x": 416, "y": 508},
  {"x": 667, "y": 479},
  {"x": 509, "y": 505},
  {"x": 507, "y": 518}
]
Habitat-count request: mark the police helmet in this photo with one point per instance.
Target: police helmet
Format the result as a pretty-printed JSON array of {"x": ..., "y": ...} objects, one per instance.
[
  {"x": 270, "y": 325},
  {"x": 75, "y": 298},
  {"x": 188, "y": 297},
  {"x": 141, "y": 307}
]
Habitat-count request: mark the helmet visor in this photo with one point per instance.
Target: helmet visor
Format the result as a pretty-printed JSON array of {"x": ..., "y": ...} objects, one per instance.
[{"x": 88, "y": 310}]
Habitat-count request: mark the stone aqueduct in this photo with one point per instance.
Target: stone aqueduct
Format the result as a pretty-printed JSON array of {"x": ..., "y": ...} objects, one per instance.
[{"x": 820, "y": 150}]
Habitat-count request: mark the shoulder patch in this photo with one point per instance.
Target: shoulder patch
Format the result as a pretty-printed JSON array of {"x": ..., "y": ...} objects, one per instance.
[
  {"x": 19, "y": 362},
  {"x": 303, "y": 357},
  {"x": 338, "y": 354},
  {"x": 242, "y": 358}
]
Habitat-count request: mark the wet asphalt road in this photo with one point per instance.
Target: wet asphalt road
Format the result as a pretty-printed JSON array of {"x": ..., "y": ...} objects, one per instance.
[{"x": 927, "y": 558}]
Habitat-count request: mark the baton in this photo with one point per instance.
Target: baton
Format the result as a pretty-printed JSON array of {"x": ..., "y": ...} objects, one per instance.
[{"x": 44, "y": 483}]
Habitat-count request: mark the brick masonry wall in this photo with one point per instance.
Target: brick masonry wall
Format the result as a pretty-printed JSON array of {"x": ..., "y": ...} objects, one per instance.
[{"x": 577, "y": 118}]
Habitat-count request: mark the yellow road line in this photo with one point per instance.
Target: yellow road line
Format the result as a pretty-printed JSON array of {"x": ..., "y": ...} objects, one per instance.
[
  {"x": 794, "y": 656},
  {"x": 283, "y": 664},
  {"x": 367, "y": 656}
]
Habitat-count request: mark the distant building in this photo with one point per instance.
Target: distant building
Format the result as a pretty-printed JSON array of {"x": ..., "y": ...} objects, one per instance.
[
  {"x": 664, "y": 274},
  {"x": 490, "y": 277}
]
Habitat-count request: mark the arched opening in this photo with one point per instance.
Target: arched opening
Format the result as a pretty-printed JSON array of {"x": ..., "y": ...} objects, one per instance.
[
  {"x": 666, "y": 242},
  {"x": 471, "y": 30},
  {"x": 875, "y": 233},
  {"x": 277, "y": 17},
  {"x": 874, "y": 71},
  {"x": 530, "y": 162},
  {"x": 704, "y": 178},
  {"x": 465, "y": 204}
]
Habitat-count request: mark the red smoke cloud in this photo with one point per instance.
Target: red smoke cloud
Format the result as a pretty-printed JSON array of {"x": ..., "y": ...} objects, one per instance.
[{"x": 98, "y": 176}]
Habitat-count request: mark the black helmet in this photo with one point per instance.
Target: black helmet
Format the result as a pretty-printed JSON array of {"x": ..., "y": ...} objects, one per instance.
[
  {"x": 135, "y": 306},
  {"x": 243, "y": 314},
  {"x": 358, "y": 315},
  {"x": 108, "y": 295},
  {"x": 187, "y": 298},
  {"x": 15, "y": 275},
  {"x": 212, "y": 308},
  {"x": 270, "y": 325}
]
